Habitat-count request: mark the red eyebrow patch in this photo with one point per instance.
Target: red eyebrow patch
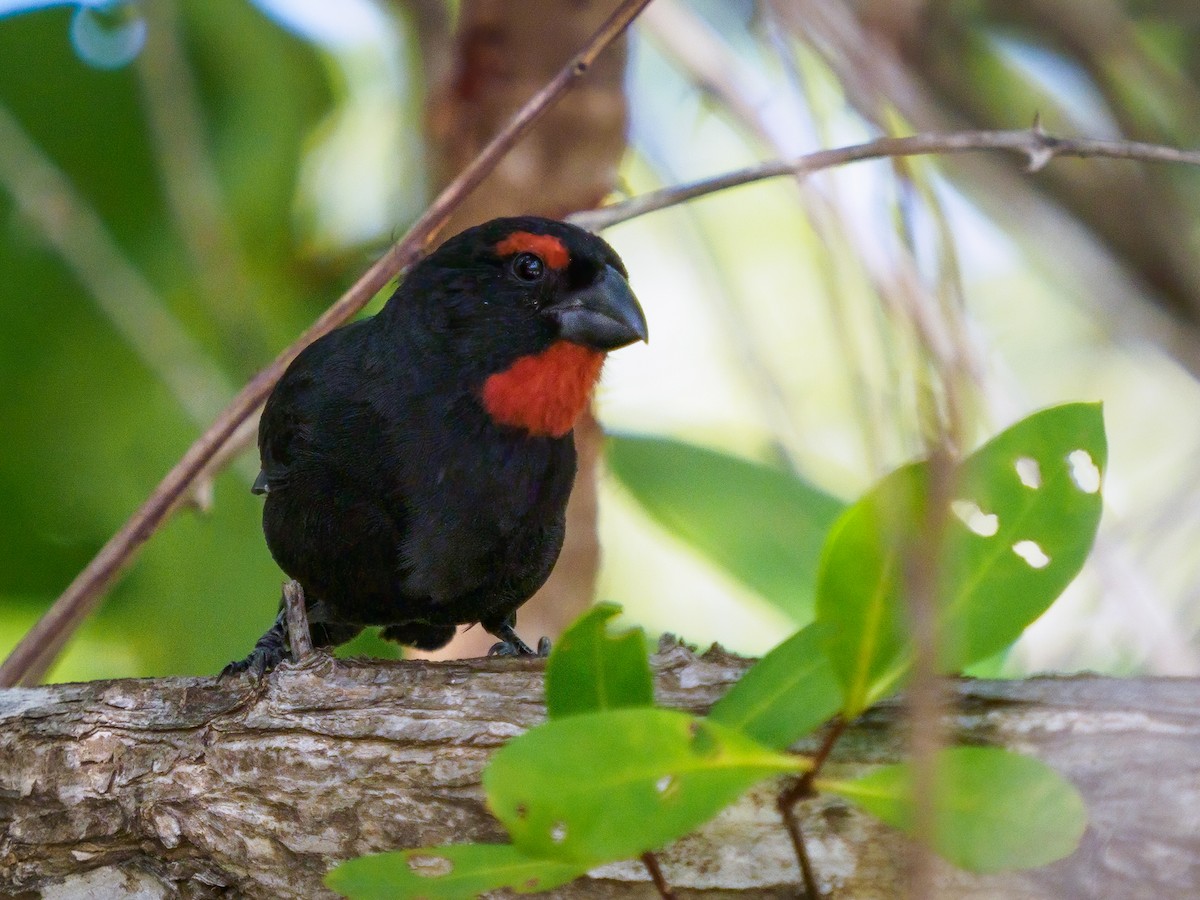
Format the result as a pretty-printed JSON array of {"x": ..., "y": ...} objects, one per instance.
[{"x": 552, "y": 251}]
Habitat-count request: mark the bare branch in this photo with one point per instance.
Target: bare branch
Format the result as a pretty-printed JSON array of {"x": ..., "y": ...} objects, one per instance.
[
  {"x": 1036, "y": 144},
  {"x": 39, "y": 647}
]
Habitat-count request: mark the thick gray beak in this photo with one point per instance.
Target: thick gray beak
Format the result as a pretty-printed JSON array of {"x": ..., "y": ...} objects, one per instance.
[{"x": 604, "y": 315}]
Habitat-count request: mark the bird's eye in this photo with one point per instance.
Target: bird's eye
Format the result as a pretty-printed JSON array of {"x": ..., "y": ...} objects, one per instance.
[{"x": 528, "y": 267}]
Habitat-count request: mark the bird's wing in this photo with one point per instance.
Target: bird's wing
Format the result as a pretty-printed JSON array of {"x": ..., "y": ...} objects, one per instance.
[
  {"x": 310, "y": 392},
  {"x": 284, "y": 431}
]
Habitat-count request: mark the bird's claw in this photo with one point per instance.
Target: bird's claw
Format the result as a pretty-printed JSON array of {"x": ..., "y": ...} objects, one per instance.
[
  {"x": 258, "y": 663},
  {"x": 517, "y": 647},
  {"x": 270, "y": 650},
  {"x": 510, "y": 648}
]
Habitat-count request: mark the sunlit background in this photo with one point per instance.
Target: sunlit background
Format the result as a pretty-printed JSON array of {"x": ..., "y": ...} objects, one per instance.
[{"x": 172, "y": 218}]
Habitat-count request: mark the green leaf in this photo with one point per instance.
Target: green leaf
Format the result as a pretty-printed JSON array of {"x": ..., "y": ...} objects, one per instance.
[
  {"x": 1025, "y": 512},
  {"x": 785, "y": 695},
  {"x": 590, "y": 670},
  {"x": 995, "y": 811},
  {"x": 610, "y": 785},
  {"x": 456, "y": 872},
  {"x": 995, "y": 585},
  {"x": 859, "y": 596},
  {"x": 763, "y": 526}
]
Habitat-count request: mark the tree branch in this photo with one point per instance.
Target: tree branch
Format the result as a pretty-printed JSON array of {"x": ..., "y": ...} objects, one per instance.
[
  {"x": 38, "y": 648},
  {"x": 1035, "y": 143},
  {"x": 201, "y": 788}
]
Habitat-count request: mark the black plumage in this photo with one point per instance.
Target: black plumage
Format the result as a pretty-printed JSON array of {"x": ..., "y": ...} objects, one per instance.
[{"x": 417, "y": 464}]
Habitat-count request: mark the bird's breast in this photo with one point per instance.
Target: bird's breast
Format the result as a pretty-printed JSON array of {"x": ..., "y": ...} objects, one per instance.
[
  {"x": 544, "y": 393},
  {"x": 465, "y": 519}
]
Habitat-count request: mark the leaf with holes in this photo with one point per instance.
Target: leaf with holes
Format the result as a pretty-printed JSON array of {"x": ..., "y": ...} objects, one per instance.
[
  {"x": 456, "y": 872},
  {"x": 995, "y": 810},
  {"x": 1026, "y": 512},
  {"x": 610, "y": 785},
  {"x": 1026, "y": 509},
  {"x": 590, "y": 670},
  {"x": 784, "y": 695},
  {"x": 764, "y": 526}
]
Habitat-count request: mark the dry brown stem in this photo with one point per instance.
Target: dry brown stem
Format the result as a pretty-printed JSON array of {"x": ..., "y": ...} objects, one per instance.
[{"x": 1035, "y": 143}]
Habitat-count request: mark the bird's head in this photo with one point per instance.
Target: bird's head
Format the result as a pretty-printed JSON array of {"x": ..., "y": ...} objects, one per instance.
[{"x": 527, "y": 307}]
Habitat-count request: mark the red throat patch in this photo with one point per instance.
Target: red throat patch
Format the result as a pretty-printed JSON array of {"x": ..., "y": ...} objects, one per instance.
[
  {"x": 544, "y": 393},
  {"x": 550, "y": 249}
]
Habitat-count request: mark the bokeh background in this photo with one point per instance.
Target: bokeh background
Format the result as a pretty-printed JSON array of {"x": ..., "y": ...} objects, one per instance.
[{"x": 185, "y": 186}]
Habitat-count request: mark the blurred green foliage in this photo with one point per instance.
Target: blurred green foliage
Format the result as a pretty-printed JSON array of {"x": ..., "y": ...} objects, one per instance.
[
  {"x": 89, "y": 428},
  {"x": 995, "y": 810},
  {"x": 762, "y": 525}
]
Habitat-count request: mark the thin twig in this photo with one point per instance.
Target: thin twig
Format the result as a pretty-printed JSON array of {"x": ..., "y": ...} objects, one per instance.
[
  {"x": 1036, "y": 144},
  {"x": 200, "y": 494},
  {"x": 802, "y": 789},
  {"x": 650, "y": 861},
  {"x": 38, "y": 648},
  {"x": 808, "y": 874},
  {"x": 943, "y": 348},
  {"x": 804, "y": 784},
  {"x": 947, "y": 433}
]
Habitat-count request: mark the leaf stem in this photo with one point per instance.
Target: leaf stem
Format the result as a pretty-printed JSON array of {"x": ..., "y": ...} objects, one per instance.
[
  {"x": 650, "y": 861},
  {"x": 802, "y": 789}
]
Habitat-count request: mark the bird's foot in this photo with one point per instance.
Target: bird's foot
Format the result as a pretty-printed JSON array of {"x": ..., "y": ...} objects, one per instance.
[
  {"x": 510, "y": 648},
  {"x": 517, "y": 647},
  {"x": 270, "y": 650}
]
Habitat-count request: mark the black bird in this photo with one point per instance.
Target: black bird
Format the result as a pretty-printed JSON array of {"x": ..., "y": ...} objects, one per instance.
[{"x": 417, "y": 464}]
